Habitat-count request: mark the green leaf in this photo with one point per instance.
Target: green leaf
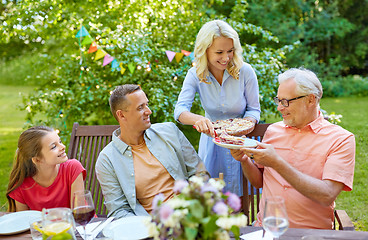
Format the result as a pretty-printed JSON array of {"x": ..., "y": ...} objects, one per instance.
[
  {"x": 196, "y": 208},
  {"x": 209, "y": 226},
  {"x": 191, "y": 233},
  {"x": 236, "y": 231}
]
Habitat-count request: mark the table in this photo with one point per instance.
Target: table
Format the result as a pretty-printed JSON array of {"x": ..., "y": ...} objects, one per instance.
[
  {"x": 290, "y": 234},
  {"x": 298, "y": 233}
]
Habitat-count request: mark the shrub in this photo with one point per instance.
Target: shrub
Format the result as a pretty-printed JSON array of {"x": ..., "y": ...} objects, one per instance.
[{"x": 345, "y": 86}]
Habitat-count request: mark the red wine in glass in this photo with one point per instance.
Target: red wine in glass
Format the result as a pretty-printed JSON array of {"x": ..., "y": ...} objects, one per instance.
[
  {"x": 83, "y": 214},
  {"x": 83, "y": 208}
]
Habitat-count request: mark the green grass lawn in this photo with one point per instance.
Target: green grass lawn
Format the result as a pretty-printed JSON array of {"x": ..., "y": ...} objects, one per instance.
[
  {"x": 355, "y": 119},
  {"x": 11, "y": 125}
]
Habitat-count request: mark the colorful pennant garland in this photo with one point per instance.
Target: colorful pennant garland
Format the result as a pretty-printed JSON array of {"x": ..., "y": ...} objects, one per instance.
[{"x": 115, "y": 65}]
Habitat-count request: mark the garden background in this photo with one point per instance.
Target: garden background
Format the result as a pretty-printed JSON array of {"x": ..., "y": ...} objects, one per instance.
[{"x": 60, "y": 60}]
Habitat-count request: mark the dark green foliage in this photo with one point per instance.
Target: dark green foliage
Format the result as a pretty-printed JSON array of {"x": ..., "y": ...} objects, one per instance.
[
  {"x": 346, "y": 86},
  {"x": 332, "y": 34}
]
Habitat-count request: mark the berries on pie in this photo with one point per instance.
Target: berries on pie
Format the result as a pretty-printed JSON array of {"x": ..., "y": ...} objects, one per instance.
[
  {"x": 229, "y": 139},
  {"x": 235, "y": 126}
]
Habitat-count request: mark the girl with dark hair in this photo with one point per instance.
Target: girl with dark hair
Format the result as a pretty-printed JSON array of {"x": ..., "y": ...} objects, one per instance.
[{"x": 42, "y": 176}]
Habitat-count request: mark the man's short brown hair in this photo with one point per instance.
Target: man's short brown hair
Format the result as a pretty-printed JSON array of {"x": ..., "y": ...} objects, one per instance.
[{"x": 118, "y": 100}]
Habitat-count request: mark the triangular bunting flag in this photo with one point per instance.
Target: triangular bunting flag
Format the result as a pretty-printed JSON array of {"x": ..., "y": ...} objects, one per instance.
[
  {"x": 107, "y": 59},
  {"x": 170, "y": 55},
  {"x": 83, "y": 32},
  {"x": 92, "y": 48},
  {"x": 186, "y": 53},
  {"x": 100, "y": 54},
  {"x": 191, "y": 56},
  {"x": 122, "y": 69},
  {"x": 114, "y": 64},
  {"x": 178, "y": 57},
  {"x": 87, "y": 40},
  {"x": 131, "y": 67}
]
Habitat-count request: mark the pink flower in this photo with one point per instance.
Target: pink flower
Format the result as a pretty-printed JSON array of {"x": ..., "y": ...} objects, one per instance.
[
  {"x": 220, "y": 208},
  {"x": 165, "y": 212},
  {"x": 179, "y": 185},
  {"x": 234, "y": 201},
  {"x": 159, "y": 197}
]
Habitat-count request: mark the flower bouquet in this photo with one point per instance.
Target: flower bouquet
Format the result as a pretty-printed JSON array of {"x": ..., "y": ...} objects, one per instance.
[{"x": 200, "y": 210}]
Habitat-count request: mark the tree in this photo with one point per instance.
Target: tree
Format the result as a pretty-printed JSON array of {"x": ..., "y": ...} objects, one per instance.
[
  {"x": 332, "y": 34},
  {"x": 136, "y": 33}
]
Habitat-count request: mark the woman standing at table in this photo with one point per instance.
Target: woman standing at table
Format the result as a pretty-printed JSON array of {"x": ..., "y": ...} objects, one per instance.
[
  {"x": 42, "y": 175},
  {"x": 227, "y": 88}
]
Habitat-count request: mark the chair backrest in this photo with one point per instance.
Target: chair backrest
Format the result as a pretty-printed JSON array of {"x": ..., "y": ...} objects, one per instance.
[
  {"x": 250, "y": 204},
  {"x": 86, "y": 142}
]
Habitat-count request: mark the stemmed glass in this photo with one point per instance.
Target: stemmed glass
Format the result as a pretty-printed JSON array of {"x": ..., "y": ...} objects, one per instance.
[
  {"x": 275, "y": 220},
  {"x": 83, "y": 208}
]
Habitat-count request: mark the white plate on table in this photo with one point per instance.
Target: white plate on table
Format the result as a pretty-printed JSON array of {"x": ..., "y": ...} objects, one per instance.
[
  {"x": 248, "y": 143},
  {"x": 18, "y": 222},
  {"x": 131, "y": 228}
]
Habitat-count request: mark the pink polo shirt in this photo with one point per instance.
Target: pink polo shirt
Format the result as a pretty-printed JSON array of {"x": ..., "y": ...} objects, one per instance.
[{"x": 321, "y": 150}]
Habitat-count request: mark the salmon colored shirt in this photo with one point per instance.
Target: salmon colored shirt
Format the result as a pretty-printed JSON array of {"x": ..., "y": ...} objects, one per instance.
[
  {"x": 151, "y": 177},
  {"x": 321, "y": 150}
]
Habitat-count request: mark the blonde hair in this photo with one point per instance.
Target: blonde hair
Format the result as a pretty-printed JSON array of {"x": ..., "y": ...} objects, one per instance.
[{"x": 210, "y": 31}]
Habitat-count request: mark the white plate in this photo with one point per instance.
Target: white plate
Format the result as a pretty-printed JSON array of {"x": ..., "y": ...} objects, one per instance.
[
  {"x": 131, "y": 228},
  {"x": 248, "y": 143},
  {"x": 18, "y": 222}
]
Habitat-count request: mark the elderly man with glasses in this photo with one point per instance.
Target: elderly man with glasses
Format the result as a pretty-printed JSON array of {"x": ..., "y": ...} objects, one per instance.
[{"x": 304, "y": 159}]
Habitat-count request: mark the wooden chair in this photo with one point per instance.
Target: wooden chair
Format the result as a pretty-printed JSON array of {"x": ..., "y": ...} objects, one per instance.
[
  {"x": 250, "y": 205},
  {"x": 86, "y": 142}
]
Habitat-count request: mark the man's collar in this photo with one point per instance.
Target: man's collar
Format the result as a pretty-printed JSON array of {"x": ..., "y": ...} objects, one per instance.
[
  {"x": 315, "y": 125},
  {"x": 116, "y": 137}
]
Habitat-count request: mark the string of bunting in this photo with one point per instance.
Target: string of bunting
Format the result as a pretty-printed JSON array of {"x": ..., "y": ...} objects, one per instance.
[{"x": 84, "y": 38}]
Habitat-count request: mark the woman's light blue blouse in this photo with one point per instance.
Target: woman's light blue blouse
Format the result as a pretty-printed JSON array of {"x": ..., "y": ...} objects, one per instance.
[{"x": 233, "y": 99}]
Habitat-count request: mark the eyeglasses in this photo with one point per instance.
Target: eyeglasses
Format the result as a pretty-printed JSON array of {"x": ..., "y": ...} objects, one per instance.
[{"x": 286, "y": 102}]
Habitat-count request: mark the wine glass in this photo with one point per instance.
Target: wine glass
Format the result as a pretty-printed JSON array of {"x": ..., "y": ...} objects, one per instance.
[
  {"x": 275, "y": 220},
  {"x": 83, "y": 208}
]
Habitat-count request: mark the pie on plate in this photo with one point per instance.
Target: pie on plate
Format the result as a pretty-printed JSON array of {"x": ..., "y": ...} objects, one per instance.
[
  {"x": 233, "y": 126},
  {"x": 227, "y": 141}
]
